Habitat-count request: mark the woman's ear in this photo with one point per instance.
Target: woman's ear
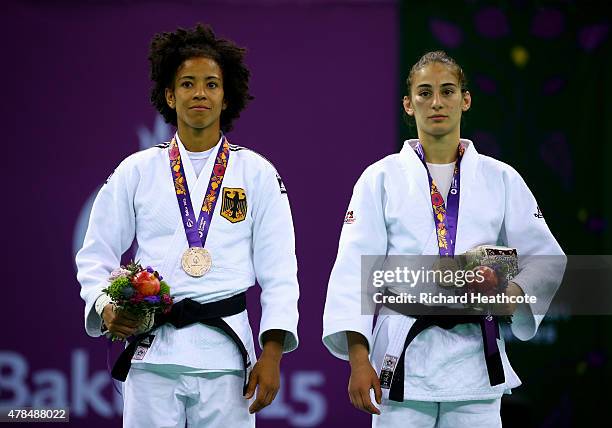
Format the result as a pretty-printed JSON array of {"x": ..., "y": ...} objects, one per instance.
[
  {"x": 408, "y": 106},
  {"x": 170, "y": 100},
  {"x": 467, "y": 101}
]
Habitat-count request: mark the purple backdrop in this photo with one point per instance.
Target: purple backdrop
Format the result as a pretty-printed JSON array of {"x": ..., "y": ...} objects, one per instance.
[{"x": 76, "y": 86}]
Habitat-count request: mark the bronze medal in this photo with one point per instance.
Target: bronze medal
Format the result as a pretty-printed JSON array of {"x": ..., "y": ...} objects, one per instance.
[
  {"x": 196, "y": 261},
  {"x": 443, "y": 266}
]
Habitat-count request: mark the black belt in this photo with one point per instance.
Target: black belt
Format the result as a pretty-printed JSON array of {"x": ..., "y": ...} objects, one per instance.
[
  {"x": 446, "y": 318},
  {"x": 187, "y": 312}
]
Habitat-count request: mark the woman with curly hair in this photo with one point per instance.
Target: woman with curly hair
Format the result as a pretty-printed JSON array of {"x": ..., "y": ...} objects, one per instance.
[{"x": 212, "y": 218}]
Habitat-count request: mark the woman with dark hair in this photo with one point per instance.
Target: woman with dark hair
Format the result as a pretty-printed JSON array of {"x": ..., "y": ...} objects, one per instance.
[
  {"x": 431, "y": 366},
  {"x": 196, "y": 365}
]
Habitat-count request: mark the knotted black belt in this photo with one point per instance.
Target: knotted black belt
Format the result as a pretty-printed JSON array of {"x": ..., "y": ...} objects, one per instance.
[
  {"x": 446, "y": 318},
  {"x": 187, "y": 312}
]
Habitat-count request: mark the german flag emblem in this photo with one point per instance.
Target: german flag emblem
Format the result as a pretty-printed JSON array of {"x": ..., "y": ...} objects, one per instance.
[{"x": 234, "y": 205}]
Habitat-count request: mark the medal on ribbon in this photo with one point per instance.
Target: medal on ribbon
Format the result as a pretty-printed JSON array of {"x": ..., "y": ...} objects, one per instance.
[{"x": 197, "y": 260}]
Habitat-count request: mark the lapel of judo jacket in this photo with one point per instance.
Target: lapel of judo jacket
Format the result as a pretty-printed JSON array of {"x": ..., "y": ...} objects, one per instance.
[
  {"x": 469, "y": 165},
  {"x": 417, "y": 176}
]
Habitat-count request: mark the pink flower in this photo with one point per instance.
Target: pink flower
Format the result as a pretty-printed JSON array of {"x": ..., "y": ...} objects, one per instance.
[{"x": 119, "y": 273}]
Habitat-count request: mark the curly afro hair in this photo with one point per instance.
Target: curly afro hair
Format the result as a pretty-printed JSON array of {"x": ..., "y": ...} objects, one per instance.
[{"x": 169, "y": 50}]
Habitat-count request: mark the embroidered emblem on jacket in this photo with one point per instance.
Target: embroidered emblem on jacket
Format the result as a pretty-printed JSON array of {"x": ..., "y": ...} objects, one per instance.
[
  {"x": 349, "y": 218},
  {"x": 234, "y": 204},
  {"x": 386, "y": 371},
  {"x": 143, "y": 347},
  {"x": 283, "y": 190},
  {"x": 538, "y": 214}
]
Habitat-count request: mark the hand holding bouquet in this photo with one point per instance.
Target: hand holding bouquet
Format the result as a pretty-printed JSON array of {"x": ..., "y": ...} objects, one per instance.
[
  {"x": 488, "y": 279},
  {"x": 138, "y": 291},
  {"x": 493, "y": 267}
]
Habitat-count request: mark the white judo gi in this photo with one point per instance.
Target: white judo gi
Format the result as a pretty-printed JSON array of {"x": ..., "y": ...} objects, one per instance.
[
  {"x": 392, "y": 215},
  {"x": 139, "y": 202}
]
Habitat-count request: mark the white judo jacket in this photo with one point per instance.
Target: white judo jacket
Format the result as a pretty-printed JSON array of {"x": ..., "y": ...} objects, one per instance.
[
  {"x": 392, "y": 215},
  {"x": 138, "y": 201}
]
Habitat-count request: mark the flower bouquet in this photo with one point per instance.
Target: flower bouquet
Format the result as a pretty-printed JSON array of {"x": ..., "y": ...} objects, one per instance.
[
  {"x": 139, "y": 290},
  {"x": 493, "y": 267}
]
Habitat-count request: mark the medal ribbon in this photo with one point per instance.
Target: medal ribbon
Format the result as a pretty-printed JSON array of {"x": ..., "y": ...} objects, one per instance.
[
  {"x": 197, "y": 229},
  {"x": 446, "y": 229},
  {"x": 445, "y": 215}
]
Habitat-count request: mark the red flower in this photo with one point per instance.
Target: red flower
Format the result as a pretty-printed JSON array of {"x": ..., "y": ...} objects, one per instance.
[
  {"x": 436, "y": 199},
  {"x": 485, "y": 281},
  {"x": 146, "y": 283},
  {"x": 219, "y": 169}
]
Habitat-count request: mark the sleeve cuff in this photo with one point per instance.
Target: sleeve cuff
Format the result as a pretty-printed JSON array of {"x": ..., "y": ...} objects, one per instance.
[
  {"x": 101, "y": 303},
  {"x": 94, "y": 325},
  {"x": 334, "y": 338},
  {"x": 291, "y": 339},
  {"x": 524, "y": 324}
]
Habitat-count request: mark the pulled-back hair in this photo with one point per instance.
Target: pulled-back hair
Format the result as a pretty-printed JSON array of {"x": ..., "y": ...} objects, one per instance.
[
  {"x": 169, "y": 50},
  {"x": 442, "y": 58}
]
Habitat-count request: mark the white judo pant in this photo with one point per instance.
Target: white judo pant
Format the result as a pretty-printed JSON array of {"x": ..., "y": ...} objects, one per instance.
[
  {"x": 425, "y": 414},
  {"x": 160, "y": 400}
]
